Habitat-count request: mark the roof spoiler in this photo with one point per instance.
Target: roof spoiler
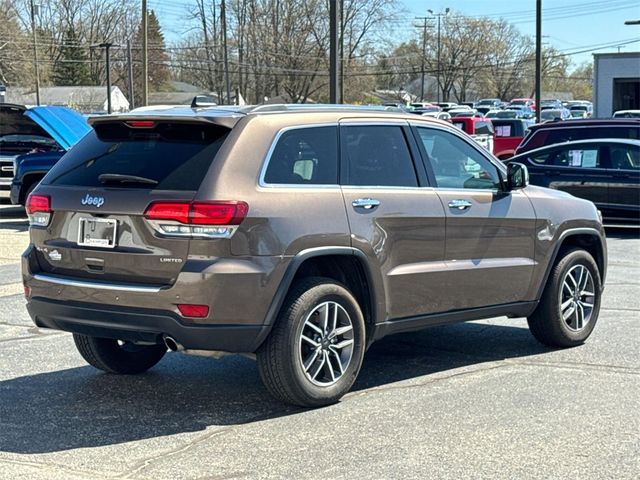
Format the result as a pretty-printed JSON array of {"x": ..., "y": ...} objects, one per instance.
[{"x": 203, "y": 101}]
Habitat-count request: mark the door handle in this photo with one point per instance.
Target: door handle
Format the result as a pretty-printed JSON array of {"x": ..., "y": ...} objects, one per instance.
[
  {"x": 459, "y": 204},
  {"x": 366, "y": 203}
]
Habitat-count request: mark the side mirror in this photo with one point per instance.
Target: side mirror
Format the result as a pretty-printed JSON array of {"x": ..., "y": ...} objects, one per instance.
[{"x": 517, "y": 176}]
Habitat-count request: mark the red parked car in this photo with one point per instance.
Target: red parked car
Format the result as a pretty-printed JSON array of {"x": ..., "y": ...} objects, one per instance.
[
  {"x": 509, "y": 132},
  {"x": 479, "y": 128},
  {"x": 527, "y": 102}
]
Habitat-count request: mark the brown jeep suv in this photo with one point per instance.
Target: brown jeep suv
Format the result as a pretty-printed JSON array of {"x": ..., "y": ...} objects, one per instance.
[{"x": 301, "y": 235}]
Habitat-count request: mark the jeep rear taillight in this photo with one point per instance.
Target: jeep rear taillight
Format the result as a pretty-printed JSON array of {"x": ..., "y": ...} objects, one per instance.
[
  {"x": 218, "y": 219},
  {"x": 38, "y": 209}
]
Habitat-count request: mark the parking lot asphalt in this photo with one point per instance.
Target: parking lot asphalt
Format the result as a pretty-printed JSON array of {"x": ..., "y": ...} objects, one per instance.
[{"x": 475, "y": 400}]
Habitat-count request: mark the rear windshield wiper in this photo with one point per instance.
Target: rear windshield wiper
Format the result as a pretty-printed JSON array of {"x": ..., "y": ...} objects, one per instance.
[{"x": 119, "y": 178}]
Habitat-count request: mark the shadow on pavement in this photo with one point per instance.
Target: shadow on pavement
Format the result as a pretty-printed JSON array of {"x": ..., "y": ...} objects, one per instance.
[{"x": 82, "y": 408}]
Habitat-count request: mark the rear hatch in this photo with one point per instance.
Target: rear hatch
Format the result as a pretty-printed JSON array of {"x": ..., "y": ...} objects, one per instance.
[{"x": 99, "y": 193}]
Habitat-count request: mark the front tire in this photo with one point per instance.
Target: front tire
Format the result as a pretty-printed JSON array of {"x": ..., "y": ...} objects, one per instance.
[
  {"x": 113, "y": 356},
  {"x": 570, "y": 304},
  {"x": 315, "y": 350}
]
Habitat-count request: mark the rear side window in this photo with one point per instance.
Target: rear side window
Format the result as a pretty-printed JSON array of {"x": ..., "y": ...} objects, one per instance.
[
  {"x": 305, "y": 156},
  {"x": 377, "y": 155},
  {"x": 624, "y": 157},
  {"x": 171, "y": 156}
]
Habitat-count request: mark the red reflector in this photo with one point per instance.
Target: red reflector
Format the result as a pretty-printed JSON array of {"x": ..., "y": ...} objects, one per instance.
[
  {"x": 199, "y": 213},
  {"x": 38, "y": 203},
  {"x": 177, "y": 211},
  {"x": 141, "y": 123},
  {"x": 188, "y": 310},
  {"x": 27, "y": 291},
  {"x": 218, "y": 213}
]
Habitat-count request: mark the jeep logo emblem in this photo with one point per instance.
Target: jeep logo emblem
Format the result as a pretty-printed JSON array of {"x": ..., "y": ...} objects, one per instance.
[{"x": 96, "y": 201}]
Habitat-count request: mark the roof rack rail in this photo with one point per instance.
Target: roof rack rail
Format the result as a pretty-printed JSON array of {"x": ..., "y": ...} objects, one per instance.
[{"x": 292, "y": 107}]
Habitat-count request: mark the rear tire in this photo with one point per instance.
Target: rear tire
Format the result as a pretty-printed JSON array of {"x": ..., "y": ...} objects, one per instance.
[
  {"x": 315, "y": 349},
  {"x": 115, "y": 357},
  {"x": 570, "y": 304}
]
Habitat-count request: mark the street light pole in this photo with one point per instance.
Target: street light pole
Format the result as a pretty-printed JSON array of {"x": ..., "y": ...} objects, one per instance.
[
  {"x": 424, "y": 53},
  {"x": 538, "y": 58},
  {"x": 439, "y": 16},
  {"x": 107, "y": 46}
]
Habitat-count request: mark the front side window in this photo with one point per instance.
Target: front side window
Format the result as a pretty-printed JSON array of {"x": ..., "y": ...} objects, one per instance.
[
  {"x": 587, "y": 157},
  {"x": 455, "y": 163},
  {"x": 377, "y": 155},
  {"x": 305, "y": 156}
]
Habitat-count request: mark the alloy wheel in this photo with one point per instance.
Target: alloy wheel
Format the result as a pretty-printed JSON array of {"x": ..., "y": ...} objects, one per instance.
[
  {"x": 326, "y": 344},
  {"x": 577, "y": 298}
]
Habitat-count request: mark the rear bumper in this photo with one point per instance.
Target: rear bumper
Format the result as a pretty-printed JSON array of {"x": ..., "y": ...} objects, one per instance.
[{"x": 143, "y": 325}]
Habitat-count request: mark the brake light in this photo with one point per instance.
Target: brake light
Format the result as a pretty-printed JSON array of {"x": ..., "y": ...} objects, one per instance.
[
  {"x": 195, "y": 311},
  {"x": 38, "y": 209},
  {"x": 141, "y": 123},
  {"x": 217, "y": 219}
]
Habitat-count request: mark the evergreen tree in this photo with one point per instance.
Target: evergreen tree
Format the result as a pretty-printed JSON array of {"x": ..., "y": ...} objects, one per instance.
[
  {"x": 159, "y": 74},
  {"x": 71, "y": 67}
]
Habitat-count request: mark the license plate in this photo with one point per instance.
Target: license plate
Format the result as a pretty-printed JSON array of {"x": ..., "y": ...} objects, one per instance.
[{"x": 97, "y": 232}]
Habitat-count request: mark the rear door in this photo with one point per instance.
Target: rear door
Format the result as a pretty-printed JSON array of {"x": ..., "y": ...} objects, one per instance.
[
  {"x": 578, "y": 170},
  {"x": 395, "y": 218},
  {"x": 101, "y": 189},
  {"x": 624, "y": 186},
  {"x": 489, "y": 254}
]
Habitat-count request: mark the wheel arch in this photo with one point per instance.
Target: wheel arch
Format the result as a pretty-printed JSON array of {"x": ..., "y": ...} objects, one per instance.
[
  {"x": 346, "y": 265},
  {"x": 588, "y": 239},
  {"x": 29, "y": 179}
]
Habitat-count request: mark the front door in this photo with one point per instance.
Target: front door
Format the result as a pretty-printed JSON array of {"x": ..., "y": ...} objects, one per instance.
[
  {"x": 490, "y": 235},
  {"x": 394, "y": 217}
]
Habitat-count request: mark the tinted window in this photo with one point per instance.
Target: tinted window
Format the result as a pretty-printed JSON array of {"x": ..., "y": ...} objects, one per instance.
[
  {"x": 484, "y": 128},
  {"x": 455, "y": 163},
  {"x": 587, "y": 157},
  {"x": 305, "y": 156},
  {"x": 559, "y": 135},
  {"x": 377, "y": 155},
  {"x": 625, "y": 157},
  {"x": 175, "y": 155}
]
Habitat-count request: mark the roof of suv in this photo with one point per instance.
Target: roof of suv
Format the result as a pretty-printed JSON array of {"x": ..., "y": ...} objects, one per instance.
[
  {"x": 229, "y": 115},
  {"x": 586, "y": 123}
]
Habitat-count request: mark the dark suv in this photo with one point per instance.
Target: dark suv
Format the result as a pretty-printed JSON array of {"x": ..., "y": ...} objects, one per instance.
[{"x": 301, "y": 235}]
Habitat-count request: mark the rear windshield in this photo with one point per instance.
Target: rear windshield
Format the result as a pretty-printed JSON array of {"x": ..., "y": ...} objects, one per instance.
[{"x": 171, "y": 156}]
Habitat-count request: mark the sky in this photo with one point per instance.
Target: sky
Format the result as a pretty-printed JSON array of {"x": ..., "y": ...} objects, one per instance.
[{"x": 577, "y": 27}]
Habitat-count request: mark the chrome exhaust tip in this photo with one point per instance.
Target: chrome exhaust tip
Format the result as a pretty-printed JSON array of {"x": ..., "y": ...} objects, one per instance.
[{"x": 172, "y": 344}]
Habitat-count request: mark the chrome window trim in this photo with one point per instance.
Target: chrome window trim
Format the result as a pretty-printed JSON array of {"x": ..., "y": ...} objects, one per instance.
[
  {"x": 384, "y": 187},
  {"x": 123, "y": 287},
  {"x": 265, "y": 164}
]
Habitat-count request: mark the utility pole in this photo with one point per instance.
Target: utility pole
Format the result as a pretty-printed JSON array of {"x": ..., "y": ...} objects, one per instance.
[
  {"x": 424, "y": 52},
  {"x": 223, "y": 20},
  {"x": 130, "y": 68},
  {"x": 538, "y": 58},
  {"x": 107, "y": 46},
  {"x": 35, "y": 51},
  {"x": 439, "y": 17},
  {"x": 334, "y": 60},
  {"x": 145, "y": 59},
  {"x": 341, "y": 46}
]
